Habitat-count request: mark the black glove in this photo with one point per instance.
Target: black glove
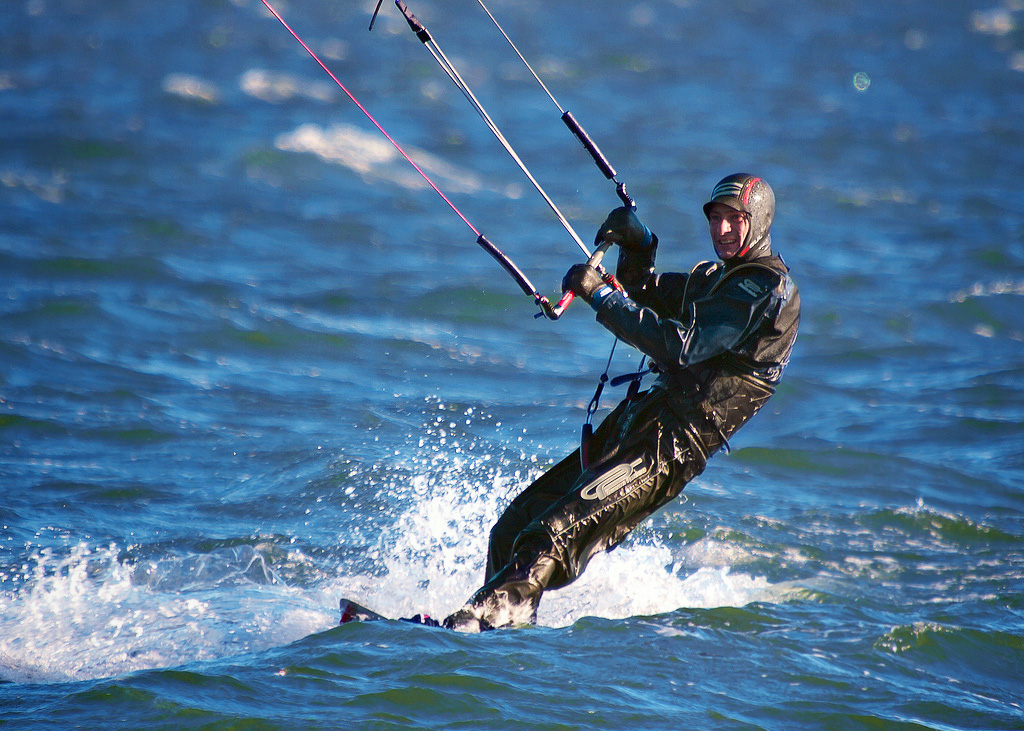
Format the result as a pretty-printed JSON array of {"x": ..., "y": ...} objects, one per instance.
[
  {"x": 624, "y": 228},
  {"x": 583, "y": 280}
]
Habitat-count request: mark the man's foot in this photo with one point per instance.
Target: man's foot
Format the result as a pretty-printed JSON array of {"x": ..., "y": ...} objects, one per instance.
[{"x": 466, "y": 620}]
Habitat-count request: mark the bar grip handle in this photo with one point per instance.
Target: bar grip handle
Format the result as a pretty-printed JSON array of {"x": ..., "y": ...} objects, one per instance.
[
  {"x": 568, "y": 296},
  {"x": 602, "y": 162}
]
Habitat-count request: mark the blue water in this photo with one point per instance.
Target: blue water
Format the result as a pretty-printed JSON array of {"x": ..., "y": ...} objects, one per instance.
[{"x": 249, "y": 364}]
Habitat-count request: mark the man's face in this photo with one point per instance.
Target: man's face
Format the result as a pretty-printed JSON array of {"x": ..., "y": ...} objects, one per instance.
[{"x": 729, "y": 229}]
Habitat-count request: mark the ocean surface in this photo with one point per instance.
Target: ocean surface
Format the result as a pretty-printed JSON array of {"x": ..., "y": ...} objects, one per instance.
[{"x": 250, "y": 364}]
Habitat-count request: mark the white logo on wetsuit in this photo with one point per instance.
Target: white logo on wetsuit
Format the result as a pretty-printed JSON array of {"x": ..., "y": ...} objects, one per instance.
[
  {"x": 612, "y": 480},
  {"x": 751, "y": 288}
]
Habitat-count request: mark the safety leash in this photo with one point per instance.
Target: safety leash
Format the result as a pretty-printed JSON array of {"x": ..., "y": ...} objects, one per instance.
[
  {"x": 633, "y": 379},
  {"x": 588, "y": 427}
]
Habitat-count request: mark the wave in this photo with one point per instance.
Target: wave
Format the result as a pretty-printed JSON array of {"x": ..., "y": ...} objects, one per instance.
[
  {"x": 97, "y": 611},
  {"x": 93, "y": 613},
  {"x": 374, "y": 158}
]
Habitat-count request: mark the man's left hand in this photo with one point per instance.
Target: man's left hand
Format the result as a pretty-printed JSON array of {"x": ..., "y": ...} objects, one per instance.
[{"x": 622, "y": 227}]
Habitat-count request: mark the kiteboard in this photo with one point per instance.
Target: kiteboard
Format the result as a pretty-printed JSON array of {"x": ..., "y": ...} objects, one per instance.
[{"x": 354, "y": 612}]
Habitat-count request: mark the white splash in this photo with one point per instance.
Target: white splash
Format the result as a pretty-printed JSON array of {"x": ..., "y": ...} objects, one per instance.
[
  {"x": 637, "y": 580},
  {"x": 86, "y": 615},
  {"x": 436, "y": 554}
]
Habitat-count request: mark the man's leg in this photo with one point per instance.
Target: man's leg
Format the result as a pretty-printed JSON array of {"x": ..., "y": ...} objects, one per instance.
[
  {"x": 553, "y": 550},
  {"x": 544, "y": 492},
  {"x": 529, "y": 505}
]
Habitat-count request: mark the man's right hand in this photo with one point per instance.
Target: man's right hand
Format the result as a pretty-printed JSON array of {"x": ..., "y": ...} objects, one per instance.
[
  {"x": 583, "y": 280},
  {"x": 622, "y": 227}
]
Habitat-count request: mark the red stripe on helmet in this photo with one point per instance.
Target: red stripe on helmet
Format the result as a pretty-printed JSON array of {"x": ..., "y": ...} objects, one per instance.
[{"x": 749, "y": 187}]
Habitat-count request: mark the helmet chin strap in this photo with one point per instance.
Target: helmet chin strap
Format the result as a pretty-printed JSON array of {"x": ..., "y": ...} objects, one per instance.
[
  {"x": 746, "y": 245},
  {"x": 744, "y": 250}
]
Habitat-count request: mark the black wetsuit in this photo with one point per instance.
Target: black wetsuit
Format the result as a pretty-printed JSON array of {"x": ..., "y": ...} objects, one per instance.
[{"x": 719, "y": 338}]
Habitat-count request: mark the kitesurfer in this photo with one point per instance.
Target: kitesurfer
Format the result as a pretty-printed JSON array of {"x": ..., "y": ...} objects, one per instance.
[{"x": 718, "y": 338}]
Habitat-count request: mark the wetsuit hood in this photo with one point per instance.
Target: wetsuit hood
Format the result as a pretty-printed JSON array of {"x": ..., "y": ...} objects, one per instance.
[{"x": 753, "y": 196}]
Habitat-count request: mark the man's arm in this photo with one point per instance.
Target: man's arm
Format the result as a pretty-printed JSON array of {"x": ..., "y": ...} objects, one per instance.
[{"x": 711, "y": 326}]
